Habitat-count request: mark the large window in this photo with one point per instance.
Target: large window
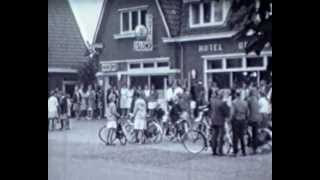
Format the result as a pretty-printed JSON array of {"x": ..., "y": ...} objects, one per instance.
[
  {"x": 130, "y": 19},
  {"x": 254, "y": 62},
  {"x": 215, "y": 64},
  {"x": 208, "y": 13}
]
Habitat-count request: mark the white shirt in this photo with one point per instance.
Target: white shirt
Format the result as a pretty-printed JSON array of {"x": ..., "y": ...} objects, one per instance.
[
  {"x": 177, "y": 90},
  {"x": 169, "y": 94},
  {"x": 264, "y": 106},
  {"x": 53, "y": 104}
]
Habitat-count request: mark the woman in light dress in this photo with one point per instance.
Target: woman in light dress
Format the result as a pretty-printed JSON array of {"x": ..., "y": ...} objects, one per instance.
[
  {"x": 130, "y": 95},
  {"x": 139, "y": 113},
  {"x": 112, "y": 115},
  {"x": 91, "y": 102},
  {"x": 124, "y": 92},
  {"x": 84, "y": 102}
]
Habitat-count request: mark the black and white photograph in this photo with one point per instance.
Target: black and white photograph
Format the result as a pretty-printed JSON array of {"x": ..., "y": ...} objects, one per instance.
[{"x": 159, "y": 89}]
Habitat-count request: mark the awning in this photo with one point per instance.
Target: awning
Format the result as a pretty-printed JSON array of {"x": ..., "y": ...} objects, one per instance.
[
  {"x": 62, "y": 70},
  {"x": 193, "y": 1}
]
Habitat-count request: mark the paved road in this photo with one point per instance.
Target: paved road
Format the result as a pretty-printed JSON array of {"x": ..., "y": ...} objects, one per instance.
[{"x": 79, "y": 155}]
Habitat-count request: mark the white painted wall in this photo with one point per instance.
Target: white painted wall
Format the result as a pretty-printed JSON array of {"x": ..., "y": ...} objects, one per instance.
[{"x": 87, "y": 14}]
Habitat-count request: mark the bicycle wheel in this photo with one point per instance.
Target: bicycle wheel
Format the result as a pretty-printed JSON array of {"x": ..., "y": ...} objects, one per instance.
[
  {"x": 129, "y": 133},
  {"x": 113, "y": 136},
  {"x": 194, "y": 141},
  {"x": 103, "y": 134},
  {"x": 123, "y": 140},
  {"x": 157, "y": 132}
]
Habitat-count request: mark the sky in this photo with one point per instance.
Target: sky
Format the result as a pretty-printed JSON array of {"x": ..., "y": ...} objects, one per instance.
[{"x": 87, "y": 14}]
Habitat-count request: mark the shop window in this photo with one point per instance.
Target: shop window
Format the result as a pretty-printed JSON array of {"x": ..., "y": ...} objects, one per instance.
[
  {"x": 148, "y": 65},
  {"x": 216, "y": 64},
  {"x": 208, "y": 13},
  {"x": 255, "y": 62},
  {"x": 135, "y": 66},
  {"x": 158, "y": 82},
  {"x": 234, "y": 63},
  {"x": 162, "y": 64},
  {"x": 222, "y": 79}
]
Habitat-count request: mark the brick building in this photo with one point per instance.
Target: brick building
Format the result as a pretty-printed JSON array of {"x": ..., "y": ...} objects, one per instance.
[
  {"x": 66, "y": 46},
  {"x": 187, "y": 36}
]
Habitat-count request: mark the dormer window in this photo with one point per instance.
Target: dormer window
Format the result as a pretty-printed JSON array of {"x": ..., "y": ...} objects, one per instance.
[
  {"x": 130, "y": 18},
  {"x": 203, "y": 14}
]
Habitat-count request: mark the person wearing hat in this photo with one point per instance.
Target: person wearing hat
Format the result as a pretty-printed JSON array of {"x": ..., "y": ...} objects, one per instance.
[{"x": 53, "y": 106}]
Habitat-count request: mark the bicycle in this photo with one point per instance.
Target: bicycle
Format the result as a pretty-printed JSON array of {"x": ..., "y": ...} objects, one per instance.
[
  {"x": 118, "y": 134},
  {"x": 153, "y": 132}
]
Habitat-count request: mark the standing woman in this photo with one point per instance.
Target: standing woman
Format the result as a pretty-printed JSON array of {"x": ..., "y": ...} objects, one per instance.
[
  {"x": 111, "y": 115},
  {"x": 76, "y": 100},
  {"x": 123, "y": 100},
  {"x": 91, "y": 102},
  {"x": 146, "y": 96},
  {"x": 129, "y": 101},
  {"x": 84, "y": 101},
  {"x": 153, "y": 99},
  {"x": 140, "y": 112},
  {"x": 99, "y": 100}
]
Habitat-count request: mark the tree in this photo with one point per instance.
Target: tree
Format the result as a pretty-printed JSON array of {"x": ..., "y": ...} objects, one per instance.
[
  {"x": 87, "y": 72},
  {"x": 253, "y": 19}
]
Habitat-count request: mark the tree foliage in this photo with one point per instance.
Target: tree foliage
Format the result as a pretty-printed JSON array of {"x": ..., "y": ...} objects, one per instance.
[
  {"x": 253, "y": 16},
  {"x": 87, "y": 72}
]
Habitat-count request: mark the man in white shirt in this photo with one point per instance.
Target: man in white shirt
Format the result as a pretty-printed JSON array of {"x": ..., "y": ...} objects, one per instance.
[
  {"x": 53, "y": 105},
  {"x": 265, "y": 109}
]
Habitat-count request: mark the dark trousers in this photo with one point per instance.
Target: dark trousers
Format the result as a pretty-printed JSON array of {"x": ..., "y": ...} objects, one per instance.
[
  {"x": 255, "y": 142},
  {"x": 217, "y": 138},
  {"x": 238, "y": 131}
]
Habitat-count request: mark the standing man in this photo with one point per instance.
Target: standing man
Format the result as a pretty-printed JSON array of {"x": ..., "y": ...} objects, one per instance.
[
  {"x": 254, "y": 117},
  {"x": 239, "y": 116},
  {"x": 218, "y": 115}
]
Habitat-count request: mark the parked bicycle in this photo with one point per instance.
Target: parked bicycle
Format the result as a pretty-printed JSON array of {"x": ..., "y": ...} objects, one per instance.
[
  {"x": 118, "y": 134},
  {"x": 153, "y": 132}
]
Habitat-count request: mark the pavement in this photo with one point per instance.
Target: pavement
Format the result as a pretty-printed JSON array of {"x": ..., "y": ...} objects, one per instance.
[{"x": 78, "y": 154}]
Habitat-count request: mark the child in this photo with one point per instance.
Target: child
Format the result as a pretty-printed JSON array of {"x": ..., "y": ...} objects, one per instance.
[{"x": 111, "y": 115}]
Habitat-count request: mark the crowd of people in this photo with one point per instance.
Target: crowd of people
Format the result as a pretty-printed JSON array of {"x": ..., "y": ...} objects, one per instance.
[{"x": 243, "y": 105}]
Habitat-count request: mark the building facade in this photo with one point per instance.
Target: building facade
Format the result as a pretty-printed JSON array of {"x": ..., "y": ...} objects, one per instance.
[
  {"x": 187, "y": 36},
  {"x": 66, "y": 47}
]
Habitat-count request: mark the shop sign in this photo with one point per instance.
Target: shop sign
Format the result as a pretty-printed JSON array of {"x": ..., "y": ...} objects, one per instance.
[
  {"x": 147, "y": 44},
  {"x": 109, "y": 67}
]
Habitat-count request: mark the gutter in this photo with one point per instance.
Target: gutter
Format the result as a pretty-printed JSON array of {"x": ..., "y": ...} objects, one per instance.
[{"x": 187, "y": 38}]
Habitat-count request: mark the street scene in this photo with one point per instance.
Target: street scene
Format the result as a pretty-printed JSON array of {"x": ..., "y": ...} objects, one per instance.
[
  {"x": 178, "y": 89},
  {"x": 80, "y": 155}
]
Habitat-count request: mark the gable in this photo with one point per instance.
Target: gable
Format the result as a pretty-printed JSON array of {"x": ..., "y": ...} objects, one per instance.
[{"x": 66, "y": 46}]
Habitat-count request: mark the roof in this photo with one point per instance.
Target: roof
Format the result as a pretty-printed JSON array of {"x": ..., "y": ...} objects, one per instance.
[{"x": 66, "y": 46}]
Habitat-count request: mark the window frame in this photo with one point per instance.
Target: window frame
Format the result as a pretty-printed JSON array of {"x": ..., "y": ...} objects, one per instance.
[
  {"x": 225, "y": 9},
  {"x": 130, "y": 11}
]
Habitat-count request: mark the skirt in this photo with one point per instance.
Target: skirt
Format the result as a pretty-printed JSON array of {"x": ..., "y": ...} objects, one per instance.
[
  {"x": 139, "y": 124},
  {"x": 52, "y": 114},
  {"x": 111, "y": 124}
]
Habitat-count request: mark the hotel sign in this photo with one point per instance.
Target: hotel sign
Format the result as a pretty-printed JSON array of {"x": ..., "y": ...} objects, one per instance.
[
  {"x": 221, "y": 48},
  {"x": 147, "y": 44}
]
